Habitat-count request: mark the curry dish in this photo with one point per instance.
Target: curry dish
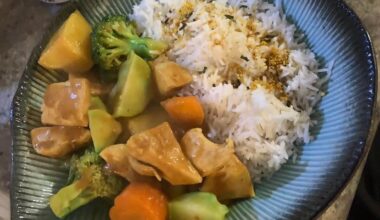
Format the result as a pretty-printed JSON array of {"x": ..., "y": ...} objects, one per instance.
[{"x": 128, "y": 127}]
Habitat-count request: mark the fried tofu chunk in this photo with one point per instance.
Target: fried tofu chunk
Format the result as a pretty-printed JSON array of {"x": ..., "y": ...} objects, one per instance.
[
  {"x": 206, "y": 156},
  {"x": 59, "y": 141},
  {"x": 67, "y": 103},
  {"x": 120, "y": 162},
  {"x": 97, "y": 88},
  {"x": 231, "y": 182},
  {"x": 159, "y": 148},
  {"x": 144, "y": 169},
  {"x": 170, "y": 77}
]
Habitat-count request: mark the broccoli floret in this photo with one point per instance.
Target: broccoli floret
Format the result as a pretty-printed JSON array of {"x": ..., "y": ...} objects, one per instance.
[
  {"x": 114, "y": 37},
  {"x": 90, "y": 181}
]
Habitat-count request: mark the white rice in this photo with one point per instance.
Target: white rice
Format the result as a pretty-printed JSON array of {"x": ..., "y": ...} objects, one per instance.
[{"x": 216, "y": 36}]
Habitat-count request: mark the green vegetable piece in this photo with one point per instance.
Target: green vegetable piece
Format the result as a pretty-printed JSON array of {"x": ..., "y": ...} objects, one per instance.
[
  {"x": 104, "y": 129},
  {"x": 147, "y": 47},
  {"x": 91, "y": 181},
  {"x": 97, "y": 103},
  {"x": 197, "y": 205},
  {"x": 133, "y": 90},
  {"x": 152, "y": 117},
  {"x": 70, "y": 198},
  {"x": 114, "y": 38}
]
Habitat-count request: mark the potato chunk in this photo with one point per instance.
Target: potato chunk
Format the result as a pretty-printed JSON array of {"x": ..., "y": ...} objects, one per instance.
[
  {"x": 104, "y": 129},
  {"x": 67, "y": 103},
  {"x": 70, "y": 47},
  {"x": 153, "y": 116},
  {"x": 170, "y": 77},
  {"x": 59, "y": 141}
]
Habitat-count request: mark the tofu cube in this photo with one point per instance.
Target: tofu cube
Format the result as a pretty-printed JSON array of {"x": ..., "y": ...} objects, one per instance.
[
  {"x": 59, "y": 141},
  {"x": 67, "y": 103},
  {"x": 97, "y": 87}
]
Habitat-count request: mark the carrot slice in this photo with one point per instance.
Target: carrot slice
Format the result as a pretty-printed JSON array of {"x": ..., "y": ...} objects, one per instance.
[
  {"x": 186, "y": 111},
  {"x": 140, "y": 201}
]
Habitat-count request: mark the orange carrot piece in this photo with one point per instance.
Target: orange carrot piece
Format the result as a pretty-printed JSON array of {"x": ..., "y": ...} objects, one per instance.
[
  {"x": 186, "y": 111},
  {"x": 140, "y": 201}
]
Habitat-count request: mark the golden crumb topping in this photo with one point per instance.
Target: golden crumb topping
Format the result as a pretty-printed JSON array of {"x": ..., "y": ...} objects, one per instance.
[
  {"x": 186, "y": 9},
  {"x": 277, "y": 58},
  {"x": 271, "y": 85}
]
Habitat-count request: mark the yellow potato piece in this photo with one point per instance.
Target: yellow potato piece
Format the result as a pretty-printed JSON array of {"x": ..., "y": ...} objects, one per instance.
[
  {"x": 170, "y": 77},
  {"x": 70, "y": 47}
]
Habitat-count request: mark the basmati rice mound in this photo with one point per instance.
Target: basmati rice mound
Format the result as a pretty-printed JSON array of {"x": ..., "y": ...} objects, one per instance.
[{"x": 257, "y": 81}]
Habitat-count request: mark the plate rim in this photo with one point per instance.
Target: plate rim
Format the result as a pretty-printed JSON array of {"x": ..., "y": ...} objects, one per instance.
[
  {"x": 375, "y": 114},
  {"x": 349, "y": 13}
]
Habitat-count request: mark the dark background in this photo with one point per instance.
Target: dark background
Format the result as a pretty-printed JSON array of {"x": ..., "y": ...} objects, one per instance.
[{"x": 366, "y": 204}]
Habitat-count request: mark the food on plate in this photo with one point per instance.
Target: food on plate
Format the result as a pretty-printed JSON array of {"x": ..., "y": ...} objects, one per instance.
[
  {"x": 115, "y": 38},
  {"x": 206, "y": 156},
  {"x": 143, "y": 168},
  {"x": 97, "y": 103},
  {"x": 173, "y": 192},
  {"x": 186, "y": 110},
  {"x": 150, "y": 118},
  {"x": 197, "y": 205},
  {"x": 223, "y": 182},
  {"x": 90, "y": 181},
  {"x": 170, "y": 77},
  {"x": 59, "y": 141},
  {"x": 125, "y": 132},
  {"x": 159, "y": 148},
  {"x": 257, "y": 83},
  {"x": 66, "y": 103},
  {"x": 104, "y": 128},
  {"x": 70, "y": 47},
  {"x": 189, "y": 101},
  {"x": 133, "y": 90},
  {"x": 140, "y": 201},
  {"x": 117, "y": 160},
  {"x": 97, "y": 86}
]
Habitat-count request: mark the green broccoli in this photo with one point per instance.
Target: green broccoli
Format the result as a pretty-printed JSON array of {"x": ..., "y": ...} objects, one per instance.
[
  {"x": 90, "y": 180},
  {"x": 113, "y": 39},
  {"x": 197, "y": 205}
]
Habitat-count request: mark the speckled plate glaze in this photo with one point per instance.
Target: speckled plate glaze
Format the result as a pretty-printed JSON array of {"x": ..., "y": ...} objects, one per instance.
[{"x": 300, "y": 190}]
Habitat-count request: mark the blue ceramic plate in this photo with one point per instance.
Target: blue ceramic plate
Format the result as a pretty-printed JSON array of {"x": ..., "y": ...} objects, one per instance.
[{"x": 299, "y": 190}]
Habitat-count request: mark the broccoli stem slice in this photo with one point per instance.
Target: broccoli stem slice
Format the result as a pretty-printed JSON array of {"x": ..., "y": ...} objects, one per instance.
[
  {"x": 156, "y": 47},
  {"x": 71, "y": 197},
  {"x": 147, "y": 48}
]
